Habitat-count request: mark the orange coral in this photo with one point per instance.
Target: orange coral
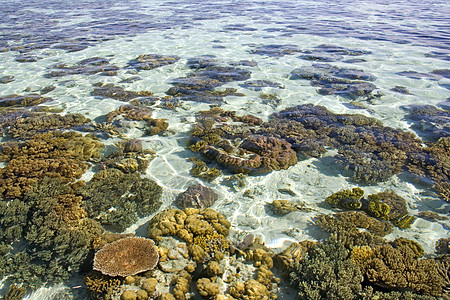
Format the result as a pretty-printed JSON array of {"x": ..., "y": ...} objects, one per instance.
[{"x": 125, "y": 257}]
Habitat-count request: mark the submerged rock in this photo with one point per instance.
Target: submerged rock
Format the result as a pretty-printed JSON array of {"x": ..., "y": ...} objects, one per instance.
[{"x": 197, "y": 196}]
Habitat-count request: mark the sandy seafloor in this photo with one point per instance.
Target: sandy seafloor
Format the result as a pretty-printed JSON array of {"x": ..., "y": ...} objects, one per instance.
[{"x": 400, "y": 37}]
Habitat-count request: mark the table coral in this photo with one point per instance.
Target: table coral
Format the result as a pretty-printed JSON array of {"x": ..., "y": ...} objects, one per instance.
[{"x": 127, "y": 256}]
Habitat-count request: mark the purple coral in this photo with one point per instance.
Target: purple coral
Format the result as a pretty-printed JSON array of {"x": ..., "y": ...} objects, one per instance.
[{"x": 197, "y": 196}]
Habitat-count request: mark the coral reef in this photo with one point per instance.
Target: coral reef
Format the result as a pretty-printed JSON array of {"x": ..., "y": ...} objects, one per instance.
[
  {"x": 201, "y": 170},
  {"x": 52, "y": 154},
  {"x": 197, "y": 196},
  {"x": 109, "y": 90},
  {"x": 387, "y": 205},
  {"x": 24, "y": 126},
  {"x": 129, "y": 157},
  {"x": 131, "y": 112},
  {"x": 330, "y": 53},
  {"x": 282, "y": 207},
  {"x": 139, "y": 113},
  {"x": 117, "y": 199},
  {"x": 27, "y": 100},
  {"x": 275, "y": 50},
  {"x": 348, "y": 222},
  {"x": 6, "y": 79},
  {"x": 55, "y": 235},
  {"x": 101, "y": 286},
  {"x": 350, "y": 199},
  {"x": 127, "y": 256},
  {"x": 258, "y": 85},
  {"x": 254, "y": 153},
  {"x": 208, "y": 74},
  {"x": 334, "y": 80},
  {"x": 429, "y": 120},
  {"x": 372, "y": 151},
  {"x": 152, "y": 61},
  {"x": 326, "y": 272},
  {"x": 86, "y": 66},
  {"x": 396, "y": 267}
]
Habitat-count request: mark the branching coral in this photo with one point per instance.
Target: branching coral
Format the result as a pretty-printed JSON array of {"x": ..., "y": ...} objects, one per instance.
[
  {"x": 101, "y": 286},
  {"x": 28, "y": 126},
  {"x": 56, "y": 236},
  {"x": 397, "y": 267},
  {"x": 118, "y": 199},
  {"x": 327, "y": 273},
  {"x": 51, "y": 154}
]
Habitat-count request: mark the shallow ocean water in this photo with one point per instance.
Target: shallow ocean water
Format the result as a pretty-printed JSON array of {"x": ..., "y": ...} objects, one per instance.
[{"x": 401, "y": 44}]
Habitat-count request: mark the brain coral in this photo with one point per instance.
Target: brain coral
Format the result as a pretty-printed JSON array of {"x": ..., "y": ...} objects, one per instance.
[{"x": 127, "y": 256}]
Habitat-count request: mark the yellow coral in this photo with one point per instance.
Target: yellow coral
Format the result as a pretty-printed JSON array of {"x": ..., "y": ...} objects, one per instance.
[
  {"x": 207, "y": 288},
  {"x": 360, "y": 254}
]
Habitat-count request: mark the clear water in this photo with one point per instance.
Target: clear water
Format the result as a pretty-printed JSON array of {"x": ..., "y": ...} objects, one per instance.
[{"x": 398, "y": 36}]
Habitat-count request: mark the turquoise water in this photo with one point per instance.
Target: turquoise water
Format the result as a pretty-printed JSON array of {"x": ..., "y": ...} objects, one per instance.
[{"x": 377, "y": 59}]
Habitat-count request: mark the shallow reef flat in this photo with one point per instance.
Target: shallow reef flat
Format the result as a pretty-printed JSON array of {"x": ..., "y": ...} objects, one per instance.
[{"x": 224, "y": 150}]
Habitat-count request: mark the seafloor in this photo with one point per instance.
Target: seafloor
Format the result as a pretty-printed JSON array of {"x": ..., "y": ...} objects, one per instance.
[{"x": 224, "y": 150}]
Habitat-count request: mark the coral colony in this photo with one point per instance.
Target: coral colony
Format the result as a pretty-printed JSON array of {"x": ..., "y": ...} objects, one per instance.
[{"x": 81, "y": 200}]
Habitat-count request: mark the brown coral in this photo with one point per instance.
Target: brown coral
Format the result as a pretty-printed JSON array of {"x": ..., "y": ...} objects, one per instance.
[
  {"x": 52, "y": 154},
  {"x": 128, "y": 256},
  {"x": 398, "y": 268}
]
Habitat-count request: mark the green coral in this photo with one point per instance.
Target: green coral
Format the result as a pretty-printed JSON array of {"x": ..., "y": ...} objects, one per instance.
[
  {"x": 396, "y": 205},
  {"x": 55, "y": 234},
  {"x": 201, "y": 170},
  {"x": 405, "y": 221},
  {"x": 350, "y": 199},
  {"x": 378, "y": 209},
  {"x": 118, "y": 199}
]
